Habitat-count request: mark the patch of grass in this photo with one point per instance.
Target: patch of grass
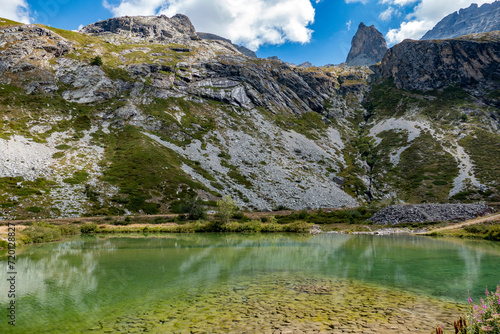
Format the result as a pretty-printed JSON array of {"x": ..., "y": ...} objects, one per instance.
[
  {"x": 484, "y": 149},
  {"x": 351, "y": 216},
  {"x": 57, "y": 155},
  {"x": 309, "y": 124},
  {"x": 78, "y": 177},
  {"x": 81, "y": 123},
  {"x": 63, "y": 147},
  {"x": 7, "y": 22},
  {"x": 17, "y": 186},
  {"x": 35, "y": 209},
  {"x": 140, "y": 168}
]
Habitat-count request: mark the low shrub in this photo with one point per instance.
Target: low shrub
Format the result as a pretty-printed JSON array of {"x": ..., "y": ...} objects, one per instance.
[
  {"x": 159, "y": 220},
  {"x": 41, "y": 232},
  {"x": 88, "y": 228},
  {"x": 297, "y": 227},
  {"x": 68, "y": 229}
]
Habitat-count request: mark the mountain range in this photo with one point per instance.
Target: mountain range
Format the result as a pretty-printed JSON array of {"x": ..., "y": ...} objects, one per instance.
[
  {"x": 136, "y": 114},
  {"x": 473, "y": 19}
]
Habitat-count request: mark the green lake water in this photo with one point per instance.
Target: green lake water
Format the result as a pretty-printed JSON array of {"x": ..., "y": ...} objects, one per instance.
[{"x": 263, "y": 283}]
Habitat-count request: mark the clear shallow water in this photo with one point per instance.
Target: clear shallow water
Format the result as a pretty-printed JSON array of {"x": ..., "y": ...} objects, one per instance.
[{"x": 254, "y": 283}]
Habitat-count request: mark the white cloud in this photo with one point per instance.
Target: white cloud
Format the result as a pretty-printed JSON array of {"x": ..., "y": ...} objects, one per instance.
[
  {"x": 426, "y": 14},
  {"x": 398, "y": 2},
  {"x": 387, "y": 14},
  {"x": 348, "y": 24},
  {"x": 249, "y": 22},
  {"x": 353, "y": 1},
  {"x": 134, "y": 7},
  {"x": 16, "y": 10}
]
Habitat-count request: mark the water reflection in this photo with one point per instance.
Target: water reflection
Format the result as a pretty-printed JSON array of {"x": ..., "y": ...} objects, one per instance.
[{"x": 94, "y": 278}]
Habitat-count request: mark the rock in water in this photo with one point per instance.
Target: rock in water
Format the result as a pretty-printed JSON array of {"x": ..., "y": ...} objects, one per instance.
[
  {"x": 368, "y": 47},
  {"x": 470, "y": 20}
]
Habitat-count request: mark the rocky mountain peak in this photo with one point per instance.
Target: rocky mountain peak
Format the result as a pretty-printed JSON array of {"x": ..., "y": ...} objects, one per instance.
[
  {"x": 471, "y": 20},
  {"x": 368, "y": 46},
  {"x": 240, "y": 48},
  {"x": 156, "y": 28}
]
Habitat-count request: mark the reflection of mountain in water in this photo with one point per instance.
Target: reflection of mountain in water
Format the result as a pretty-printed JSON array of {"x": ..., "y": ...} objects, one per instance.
[
  {"x": 91, "y": 279},
  {"x": 433, "y": 267}
]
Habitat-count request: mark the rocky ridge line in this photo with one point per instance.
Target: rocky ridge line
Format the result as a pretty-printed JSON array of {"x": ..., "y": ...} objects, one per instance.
[{"x": 471, "y": 20}]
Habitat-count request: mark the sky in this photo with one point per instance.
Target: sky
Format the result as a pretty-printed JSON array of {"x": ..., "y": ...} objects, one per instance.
[{"x": 317, "y": 31}]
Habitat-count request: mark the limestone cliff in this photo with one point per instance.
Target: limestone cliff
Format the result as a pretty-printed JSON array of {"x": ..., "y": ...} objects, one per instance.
[
  {"x": 368, "y": 46},
  {"x": 428, "y": 65}
]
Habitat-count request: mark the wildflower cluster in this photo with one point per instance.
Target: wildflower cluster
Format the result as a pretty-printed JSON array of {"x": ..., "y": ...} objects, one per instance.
[{"x": 485, "y": 317}]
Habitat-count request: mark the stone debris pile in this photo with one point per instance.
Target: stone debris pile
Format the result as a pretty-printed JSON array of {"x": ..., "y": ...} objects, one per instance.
[{"x": 420, "y": 213}]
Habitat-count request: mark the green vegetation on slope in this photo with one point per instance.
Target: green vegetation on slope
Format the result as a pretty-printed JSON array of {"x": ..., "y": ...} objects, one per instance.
[
  {"x": 144, "y": 171},
  {"x": 484, "y": 149}
]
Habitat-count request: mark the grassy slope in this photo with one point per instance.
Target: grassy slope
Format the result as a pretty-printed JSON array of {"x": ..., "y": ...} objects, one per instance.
[{"x": 426, "y": 171}]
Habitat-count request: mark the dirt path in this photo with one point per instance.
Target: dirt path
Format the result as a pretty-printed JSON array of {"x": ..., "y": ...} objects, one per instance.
[{"x": 492, "y": 217}]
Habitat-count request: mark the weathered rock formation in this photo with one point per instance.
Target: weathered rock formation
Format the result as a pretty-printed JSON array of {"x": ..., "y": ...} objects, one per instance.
[
  {"x": 151, "y": 28},
  {"x": 242, "y": 49},
  {"x": 427, "y": 65},
  {"x": 368, "y": 46},
  {"x": 467, "y": 21},
  {"x": 420, "y": 213}
]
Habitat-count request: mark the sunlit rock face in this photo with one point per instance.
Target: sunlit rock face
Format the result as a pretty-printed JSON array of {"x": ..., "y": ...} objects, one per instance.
[{"x": 368, "y": 47}]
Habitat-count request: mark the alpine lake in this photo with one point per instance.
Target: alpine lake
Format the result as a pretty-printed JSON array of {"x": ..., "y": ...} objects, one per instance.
[{"x": 247, "y": 283}]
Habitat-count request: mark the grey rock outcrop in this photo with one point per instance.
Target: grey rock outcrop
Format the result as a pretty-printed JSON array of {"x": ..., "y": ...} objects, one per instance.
[
  {"x": 151, "y": 28},
  {"x": 420, "y": 213},
  {"x": 22, "y": 47},
  {"x": 427, "y": 65},
  {"x": 471, "y": 20},
  {"x": 368, "y": 47},
  {"x": 247, "y": 52},
  {"x": 306, "y": 65}
]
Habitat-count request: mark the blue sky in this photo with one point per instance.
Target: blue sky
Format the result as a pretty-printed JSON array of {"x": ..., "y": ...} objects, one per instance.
[{"x": 318, "y": 31}]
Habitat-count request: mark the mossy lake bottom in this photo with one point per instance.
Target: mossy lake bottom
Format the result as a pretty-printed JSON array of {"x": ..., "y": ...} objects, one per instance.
[{"x": 259, "y": 283}]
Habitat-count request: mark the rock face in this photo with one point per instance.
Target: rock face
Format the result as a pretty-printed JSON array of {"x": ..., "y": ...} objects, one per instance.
[
  {"x": 421, "y": 213},
  {"x": 368, "y": 47},
  {"x": 199, "y": 117},
  {"x": 26, "y": 45},
  {"x": 242, "y": 49},
  {"x": 153, "y": 28},
  {"x": 427, "y": 65},
  {"x": 467, "y": 21}
]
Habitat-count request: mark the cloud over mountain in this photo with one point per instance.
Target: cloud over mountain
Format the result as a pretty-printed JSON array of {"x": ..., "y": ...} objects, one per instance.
[
  {"x": 249, "y": 22},
  {"x": 424, "y": 17},
  {"x": 17, "y": 10}
]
